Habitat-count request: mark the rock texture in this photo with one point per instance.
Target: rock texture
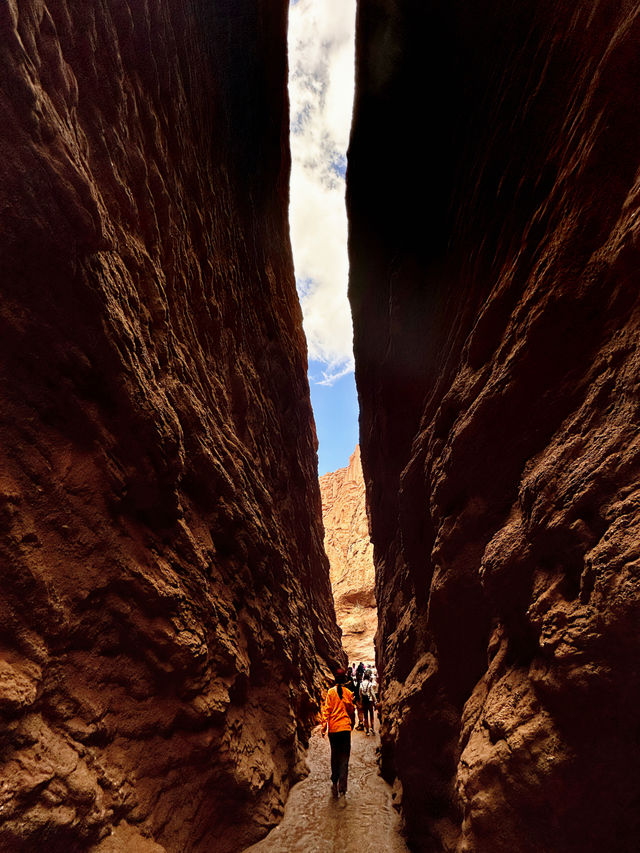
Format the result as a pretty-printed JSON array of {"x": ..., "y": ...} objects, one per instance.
[
  {"x": 166, "y": 616},
  {"x": 494, "y": 285},
  {"x": 350, "y": 552}
]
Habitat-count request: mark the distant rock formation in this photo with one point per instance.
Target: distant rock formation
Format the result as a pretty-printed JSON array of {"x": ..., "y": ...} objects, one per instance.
[
  {"x": 166, "y": 620},
  {"x": 350, "y": 552},
  {"x": 496, "y": 304}
]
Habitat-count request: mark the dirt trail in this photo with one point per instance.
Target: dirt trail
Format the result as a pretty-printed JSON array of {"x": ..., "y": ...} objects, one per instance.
[{"x": 314, "y": 822}]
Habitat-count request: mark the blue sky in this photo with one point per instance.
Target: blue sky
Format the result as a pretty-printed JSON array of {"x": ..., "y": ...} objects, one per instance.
[
  {"x": 321, "y": 74},
  {"x": 336, "y": 412}
]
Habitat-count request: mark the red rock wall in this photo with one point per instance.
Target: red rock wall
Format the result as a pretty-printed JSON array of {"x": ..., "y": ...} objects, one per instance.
[
  {"x": 166, "y": 616},
  {"x": 493, "y": 200},
  {"x": 350, "y": 552}
]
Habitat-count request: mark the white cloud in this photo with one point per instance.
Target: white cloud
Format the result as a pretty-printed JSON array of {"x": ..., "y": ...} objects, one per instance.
[{"x": 321, "y": 69}]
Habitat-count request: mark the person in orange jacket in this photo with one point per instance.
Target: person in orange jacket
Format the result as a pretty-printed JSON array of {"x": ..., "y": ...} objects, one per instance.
[{"x": 338, "y": 717}]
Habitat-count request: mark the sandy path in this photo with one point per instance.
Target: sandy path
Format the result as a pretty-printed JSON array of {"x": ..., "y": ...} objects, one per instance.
[{"x": 314, "y": 822}]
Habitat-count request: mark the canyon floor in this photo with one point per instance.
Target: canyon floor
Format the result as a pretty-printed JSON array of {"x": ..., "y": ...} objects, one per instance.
[{"x": 314, "y": 822}]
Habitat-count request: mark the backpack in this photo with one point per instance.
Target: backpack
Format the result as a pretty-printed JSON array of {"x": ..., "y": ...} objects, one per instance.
[{"x": 366, "y": 689}]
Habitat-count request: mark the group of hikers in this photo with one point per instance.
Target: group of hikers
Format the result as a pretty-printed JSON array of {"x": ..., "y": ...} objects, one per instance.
[{"x": 355, "y": 689}]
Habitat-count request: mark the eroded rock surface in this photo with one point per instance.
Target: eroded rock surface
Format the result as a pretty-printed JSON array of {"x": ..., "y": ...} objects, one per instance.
[
  {"x": 497, "y": 327},
  {"x": 350, "y": 552},
  {"x": 166, "y": 616}
]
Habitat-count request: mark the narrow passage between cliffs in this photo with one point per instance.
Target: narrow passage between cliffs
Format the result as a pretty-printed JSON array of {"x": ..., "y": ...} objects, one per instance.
[
  {"x": 321, "y": 78},
  {"x": 314, "y": 822}
]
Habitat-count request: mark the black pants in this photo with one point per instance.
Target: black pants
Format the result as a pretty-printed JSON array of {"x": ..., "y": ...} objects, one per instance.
[
  {"x": 367, "y": 710},
  {"x": 340, "y": 752}
]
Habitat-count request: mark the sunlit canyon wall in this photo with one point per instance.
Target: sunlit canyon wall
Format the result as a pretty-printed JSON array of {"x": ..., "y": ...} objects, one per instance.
[
  {"x": 166, "y": 620},
  {"x": 494, "y": 205},
  {"x": 350, "y": 553}
]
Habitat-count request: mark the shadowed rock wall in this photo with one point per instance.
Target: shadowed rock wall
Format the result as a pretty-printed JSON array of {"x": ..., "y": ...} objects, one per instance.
[
  {"x": 493, "y": 200},
  {"x": 166, "y": 616}
]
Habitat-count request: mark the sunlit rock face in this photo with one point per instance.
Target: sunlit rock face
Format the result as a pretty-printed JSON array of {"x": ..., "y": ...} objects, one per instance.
[
  {"x": 166, "y": 616},
  {"x": 493, "y": 196},
  {"x": 350, "y": 552}
]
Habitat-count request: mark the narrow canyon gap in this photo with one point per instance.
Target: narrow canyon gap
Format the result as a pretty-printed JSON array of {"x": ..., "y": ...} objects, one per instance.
[
  {"x": 166, "y": 620},
  {"x": 493, "y": 198}
]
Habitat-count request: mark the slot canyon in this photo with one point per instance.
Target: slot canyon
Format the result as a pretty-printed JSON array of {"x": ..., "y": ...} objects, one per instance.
[{"x": 167, "y": 622}]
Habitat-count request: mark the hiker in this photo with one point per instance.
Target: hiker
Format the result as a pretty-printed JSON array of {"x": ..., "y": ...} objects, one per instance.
[
  {"x": 368, "y": 698},
  {"x": 348, "y": 682},
  {"x": 358, "y": 703},
  {"x": 338, "y": 718},
  {"x": 359, "y": 674}
]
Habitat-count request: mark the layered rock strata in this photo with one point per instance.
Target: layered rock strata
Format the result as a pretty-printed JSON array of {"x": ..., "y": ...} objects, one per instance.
[
  {"x": 166, "y": 614},
  {"x": 497, "y": 329},
  {"x": 350, "y": 553}
]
